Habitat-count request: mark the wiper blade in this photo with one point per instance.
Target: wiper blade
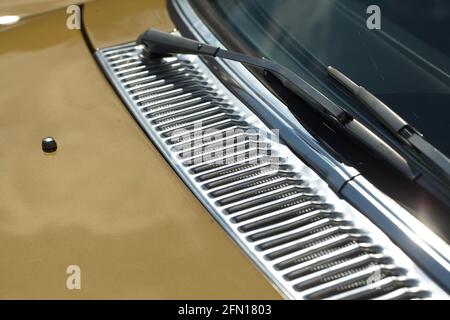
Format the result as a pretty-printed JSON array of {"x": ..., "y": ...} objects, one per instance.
[
  {"x": 393, "y": 122},
  {"x": 161, "y": 43}
]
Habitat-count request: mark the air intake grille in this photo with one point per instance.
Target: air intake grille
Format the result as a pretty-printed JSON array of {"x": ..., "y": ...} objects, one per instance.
[{"x": 311, "y": 244}]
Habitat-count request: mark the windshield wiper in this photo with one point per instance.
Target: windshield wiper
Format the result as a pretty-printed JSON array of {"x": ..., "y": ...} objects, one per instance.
[
  {"x": 161, "y": 43},
  {"x": 393, "y": 122}
]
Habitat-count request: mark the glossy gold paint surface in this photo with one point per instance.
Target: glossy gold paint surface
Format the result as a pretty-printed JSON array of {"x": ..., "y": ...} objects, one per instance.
[
  {"x": 25, "y": 8},
  {"x": 106, "y": 200},
  {"x": 111, "y": 22}
]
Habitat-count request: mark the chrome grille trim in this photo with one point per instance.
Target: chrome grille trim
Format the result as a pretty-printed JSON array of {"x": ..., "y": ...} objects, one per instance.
[{"x": 309, "y": 243}]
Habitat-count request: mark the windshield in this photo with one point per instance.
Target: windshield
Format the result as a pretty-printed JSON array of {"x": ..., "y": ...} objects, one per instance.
[{"x": 400, "y": 52}]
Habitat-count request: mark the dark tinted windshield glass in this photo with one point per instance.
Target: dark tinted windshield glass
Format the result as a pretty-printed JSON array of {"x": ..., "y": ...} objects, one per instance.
[{"x": 406, "y": 62}]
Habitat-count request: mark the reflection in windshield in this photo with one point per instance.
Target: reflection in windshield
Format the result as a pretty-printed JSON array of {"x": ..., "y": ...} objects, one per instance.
[{"x": 406, "y": 63}]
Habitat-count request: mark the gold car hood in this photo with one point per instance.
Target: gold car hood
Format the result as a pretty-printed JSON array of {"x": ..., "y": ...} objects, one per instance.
[
  {"x": 26, "y": 8},
  {"x": 106, "y": 201}
]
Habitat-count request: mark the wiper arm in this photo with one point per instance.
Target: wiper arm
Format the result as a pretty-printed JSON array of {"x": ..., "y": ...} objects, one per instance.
[
  {"x": 393, "y": 122},
  {"x": 161, "y": 43}
]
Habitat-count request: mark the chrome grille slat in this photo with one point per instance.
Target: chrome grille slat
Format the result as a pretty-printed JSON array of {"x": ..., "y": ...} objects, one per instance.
[
  {"x": 255, "y": 190},
  {"x": 114, "y": 54},
  {"x": 372, "y": 290},
  {"x": 216, "y": 163},
  {"x": 199, "y": 147},
  {"x": 193, "y": 116},
  {"x": 131, "y": 89},
  {"x": 120, "y": 65},
  {"x": 174, "y": 115},
  {"x": 124, "y": 61},
  {"x": 280, "y": 234},
  {"x": 404, "y": 294},
  {"x": 118, "y": 52},
  {"x": 316, "y": 277},
  {"x": 142, "y": 98},
  {"x": 277, "y": 203},
  {"x": 136, "y": 75},
  {"x": 306, "y": 211},
  {"x": 199, "y": 140},
  {"x": 319, "y": 234},
  {"x": 176, "y": 70},
  {"x": 148, "y": 111},
  {"x": 286, "y": 260},
  {"x": 311, "y": 244},
  {"x": 244, "y": 184},
  {"x": 322, "y": 242},
  {"x": 261, "y": 197},
  {"x": 135, "y": 88},
  {"x": 220, "y": 145},
  {"x": 153, "y": 97},
  {"x": 328, "y": 289},
  {"x": 233, "y": 177},
  {"x": 324, "y": 261},
  {"x": 165, "y": 102},
  {"x": 295, "y": 230},
  {"x": 214, "y": 170},
  {"x": 175, "y": 75},
  {"x": 189, "y": 124},
  {"x": 123, "y": 71},
  {"x": 139, "y": 80},
  {"x": 223, "y": 124},
  {"x": 152, "y": 89}
]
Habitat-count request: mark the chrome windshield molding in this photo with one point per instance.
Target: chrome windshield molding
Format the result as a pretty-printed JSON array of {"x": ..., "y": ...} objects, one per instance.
[
  {"x": 420, "y": 243},
  {"x": 309, "y": 243},
  {"x": 405, "y": 228}
]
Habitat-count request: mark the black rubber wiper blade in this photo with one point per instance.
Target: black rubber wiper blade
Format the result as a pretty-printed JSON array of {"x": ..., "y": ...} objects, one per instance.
[
  {"x": 393, "y": 122},
  {"x": 161, "y": 43}
]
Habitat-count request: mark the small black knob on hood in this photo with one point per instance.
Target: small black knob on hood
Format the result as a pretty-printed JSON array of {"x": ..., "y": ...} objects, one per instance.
[{"x": 49, "y": 145}]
